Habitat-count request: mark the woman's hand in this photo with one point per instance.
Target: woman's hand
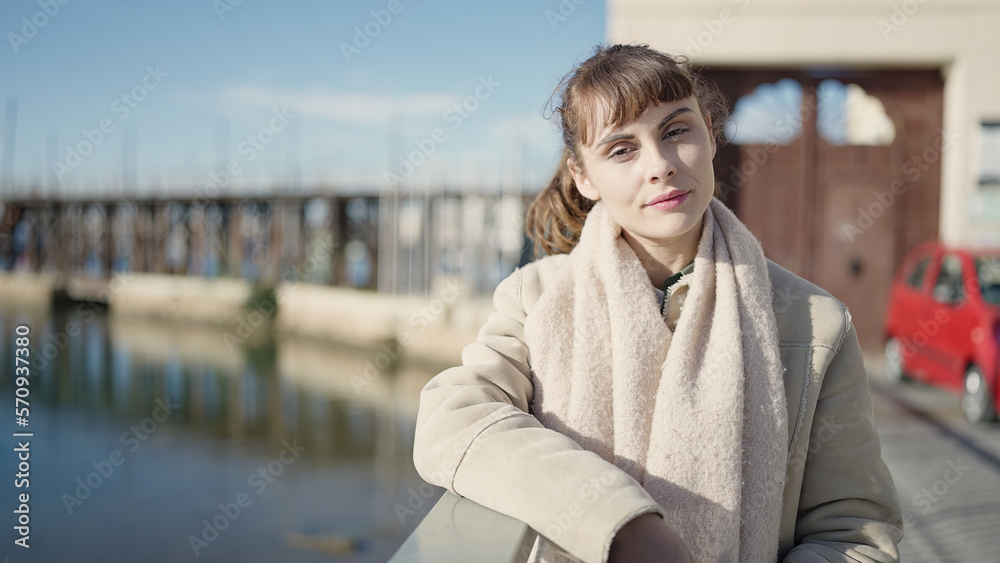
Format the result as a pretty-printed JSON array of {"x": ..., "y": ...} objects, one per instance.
[{"x": 648, "y": 539}]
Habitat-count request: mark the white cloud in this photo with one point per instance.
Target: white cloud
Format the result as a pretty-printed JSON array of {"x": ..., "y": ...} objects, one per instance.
[{"x": 362, "y": 109}]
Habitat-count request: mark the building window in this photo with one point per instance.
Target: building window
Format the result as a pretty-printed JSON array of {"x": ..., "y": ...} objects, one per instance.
[
  {"x": 845, "y": 115},
  {"x": 848, "y": 115},
  {"x": 989, "y": 158},
  {"x": 769, "y": 114}
]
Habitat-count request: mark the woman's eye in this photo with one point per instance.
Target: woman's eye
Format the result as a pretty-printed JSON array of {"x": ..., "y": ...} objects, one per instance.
[
  {"x": 678, "y": 131},
  {"x": 619, "y": 152}
]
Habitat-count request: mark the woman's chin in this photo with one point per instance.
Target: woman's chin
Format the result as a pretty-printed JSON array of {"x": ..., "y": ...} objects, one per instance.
[
  {"x": 677, "y": 226},
  {"x": 664, "y": 233}
]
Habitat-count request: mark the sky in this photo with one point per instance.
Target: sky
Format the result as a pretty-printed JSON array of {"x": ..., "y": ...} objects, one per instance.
[{"x": 157, "y": 95}]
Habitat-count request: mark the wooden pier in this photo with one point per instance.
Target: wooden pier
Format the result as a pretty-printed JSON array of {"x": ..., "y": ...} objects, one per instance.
[{"x": 389, "y": 242}]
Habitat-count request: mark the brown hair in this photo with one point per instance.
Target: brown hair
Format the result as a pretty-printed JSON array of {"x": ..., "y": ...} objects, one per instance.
[{"x": 627, "y": 79}]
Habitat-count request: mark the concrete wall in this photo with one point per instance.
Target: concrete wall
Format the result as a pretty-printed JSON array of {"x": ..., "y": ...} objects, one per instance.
[
  {"x": 435, "y": 328},
  {"x": 432, "y": 329},
  {"x": 181, "y": 298},
  {"x": 27, "y": 289},
  {"x": 960, "y": 37}
]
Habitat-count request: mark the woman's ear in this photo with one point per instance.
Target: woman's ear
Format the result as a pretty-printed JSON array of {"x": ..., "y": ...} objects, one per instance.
[{"x": 581, "y": 181}]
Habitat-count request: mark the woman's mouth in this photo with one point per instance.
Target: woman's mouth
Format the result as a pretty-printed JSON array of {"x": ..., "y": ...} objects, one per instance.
[{"x": 662, "y": 203}]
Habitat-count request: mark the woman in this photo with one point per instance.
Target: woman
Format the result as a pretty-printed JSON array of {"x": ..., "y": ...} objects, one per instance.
[{"x": 655, "y": 389}]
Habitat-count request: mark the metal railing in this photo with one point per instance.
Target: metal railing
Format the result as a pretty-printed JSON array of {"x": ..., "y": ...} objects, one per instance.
[{"x": 458, "y": 530}]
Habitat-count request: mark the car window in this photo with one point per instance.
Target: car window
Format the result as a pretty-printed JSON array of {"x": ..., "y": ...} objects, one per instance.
[
  {"x": 988, "y": 272},
  {"x": 916, "y": 277},
  {"x": 948, "y": 287}
]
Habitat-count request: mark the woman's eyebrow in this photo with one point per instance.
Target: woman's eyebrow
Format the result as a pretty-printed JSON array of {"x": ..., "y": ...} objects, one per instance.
[
  {"x": 672, "y": 115},
  {"x": 665, "y": 120}
]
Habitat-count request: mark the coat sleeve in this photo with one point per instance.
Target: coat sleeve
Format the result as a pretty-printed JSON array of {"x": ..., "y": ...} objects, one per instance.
[
  {"x": 476, "y": 438},
  {"x": 848, "y": 508}
]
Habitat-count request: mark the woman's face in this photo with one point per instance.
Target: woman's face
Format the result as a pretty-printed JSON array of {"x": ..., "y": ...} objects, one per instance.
[{"x": 666, "y": 153}]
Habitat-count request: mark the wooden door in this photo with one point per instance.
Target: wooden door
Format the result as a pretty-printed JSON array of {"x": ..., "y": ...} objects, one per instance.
[{"x": 841, "y": 215}]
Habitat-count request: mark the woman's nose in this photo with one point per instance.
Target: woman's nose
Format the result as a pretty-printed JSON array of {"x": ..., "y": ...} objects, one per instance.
[{"x": 660, "y": 165}]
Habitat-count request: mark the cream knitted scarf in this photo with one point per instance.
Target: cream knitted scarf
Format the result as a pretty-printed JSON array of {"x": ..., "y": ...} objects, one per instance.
[{"x": 697, "y": 416}]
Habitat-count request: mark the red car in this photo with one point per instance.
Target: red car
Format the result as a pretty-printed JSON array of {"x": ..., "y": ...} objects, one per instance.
[{"x": 943, "y": 324}]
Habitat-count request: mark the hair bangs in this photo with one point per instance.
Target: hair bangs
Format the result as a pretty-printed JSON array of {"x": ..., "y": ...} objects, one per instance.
[{"x": 621, "y": 89}]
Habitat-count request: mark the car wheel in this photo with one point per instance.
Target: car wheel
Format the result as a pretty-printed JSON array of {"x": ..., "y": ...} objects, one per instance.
[
  {"x": 894, "y": 361},
  {"x": 977, "y": 404}
]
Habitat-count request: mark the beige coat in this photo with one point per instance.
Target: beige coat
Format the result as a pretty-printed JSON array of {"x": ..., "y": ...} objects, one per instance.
[{"x": 476, "y": 437}]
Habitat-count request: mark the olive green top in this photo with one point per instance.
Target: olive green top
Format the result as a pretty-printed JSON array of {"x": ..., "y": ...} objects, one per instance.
[{"x": 673, "y": 280}]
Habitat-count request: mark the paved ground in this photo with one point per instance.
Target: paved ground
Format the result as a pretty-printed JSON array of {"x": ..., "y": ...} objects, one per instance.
[{"x": 947, "y": 472}]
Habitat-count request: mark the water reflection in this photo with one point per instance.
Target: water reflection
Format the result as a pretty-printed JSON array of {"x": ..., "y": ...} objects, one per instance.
[{"x": 192, "y": 423}]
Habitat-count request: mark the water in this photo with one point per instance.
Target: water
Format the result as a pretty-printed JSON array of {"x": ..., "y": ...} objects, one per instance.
[{"x": 158, "y": 442}]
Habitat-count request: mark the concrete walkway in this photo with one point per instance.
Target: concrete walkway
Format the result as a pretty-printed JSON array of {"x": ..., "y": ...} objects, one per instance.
[{"x": 947, "y": 472}]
